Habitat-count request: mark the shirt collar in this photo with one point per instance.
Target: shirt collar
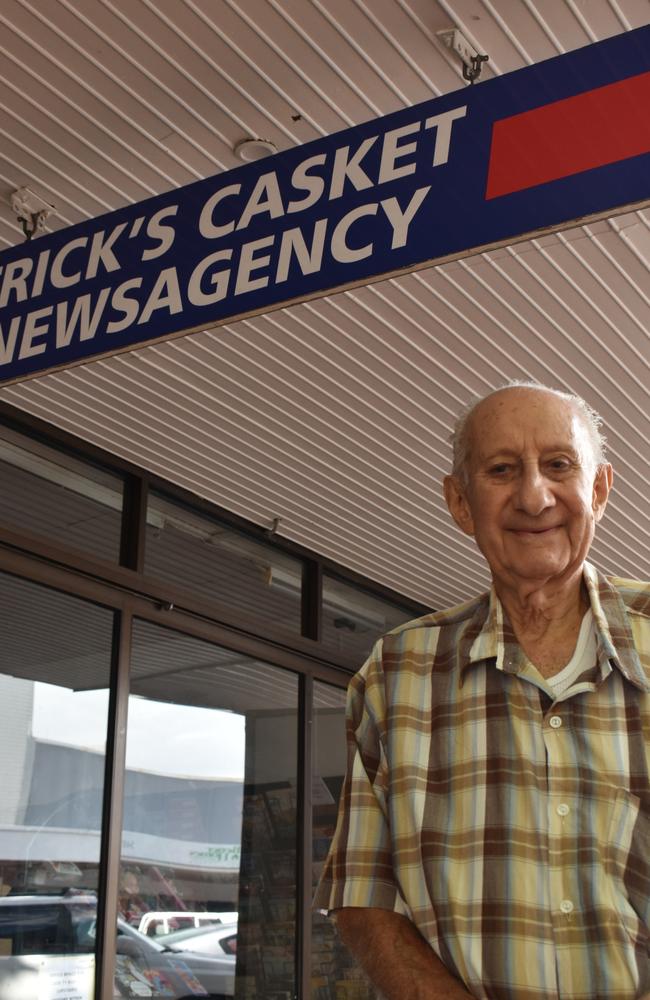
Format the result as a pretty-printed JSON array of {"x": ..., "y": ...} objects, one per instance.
[
  {"x": 492, "y": 636},
  {"x": 614, "y": 634}
]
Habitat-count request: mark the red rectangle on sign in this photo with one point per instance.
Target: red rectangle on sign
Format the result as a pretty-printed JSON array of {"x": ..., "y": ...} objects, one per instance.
[{"x": 601, "y": 126}]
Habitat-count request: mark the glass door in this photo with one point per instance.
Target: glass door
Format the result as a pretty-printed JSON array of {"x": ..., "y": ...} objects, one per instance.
[
  {"x": 55, "y": 663},
  {"x": 208, "y": 870}
]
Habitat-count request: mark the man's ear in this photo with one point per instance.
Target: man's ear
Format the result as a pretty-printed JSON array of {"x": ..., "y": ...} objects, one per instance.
[
  {"x": 602, "y": 485},
  {"x": 458, "y": 504}
]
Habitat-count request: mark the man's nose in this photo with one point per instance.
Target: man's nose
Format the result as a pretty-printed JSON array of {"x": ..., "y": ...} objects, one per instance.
[{"x": 533, "y": 494}]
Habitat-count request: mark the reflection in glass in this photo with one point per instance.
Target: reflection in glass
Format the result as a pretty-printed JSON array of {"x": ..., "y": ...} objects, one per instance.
[
  {"x": 334, "y": 973},
  {"x": 49, "y": 493},
  {"x": 209, "y": 841},
  {"x": 354, "y": 619},
  {"x": 55, "y": 660},
  {"x": 241, "y": 574}
]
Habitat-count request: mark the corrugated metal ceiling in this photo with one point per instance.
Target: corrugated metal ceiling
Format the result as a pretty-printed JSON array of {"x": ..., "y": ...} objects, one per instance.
[{"x": 332, "y": 415}]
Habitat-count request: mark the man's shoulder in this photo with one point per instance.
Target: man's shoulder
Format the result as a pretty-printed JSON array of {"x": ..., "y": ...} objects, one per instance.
[
  {"x": 434, "y": 621},
  {"x": 422, "y": 644},
  {"x": 635, "y": 594}
]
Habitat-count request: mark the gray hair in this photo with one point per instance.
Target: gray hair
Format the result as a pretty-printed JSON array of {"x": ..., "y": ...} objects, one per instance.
[{"x": 460, "y": 435}]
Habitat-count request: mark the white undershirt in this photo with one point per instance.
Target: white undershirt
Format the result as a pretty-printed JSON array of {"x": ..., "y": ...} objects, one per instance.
[{"x": 584, "y": 657}]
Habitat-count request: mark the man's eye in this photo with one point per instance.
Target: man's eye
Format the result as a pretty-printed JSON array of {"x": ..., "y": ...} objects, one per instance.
[
  {"x": 560, "y": 464},
  {"x": 501, "y": 469}
]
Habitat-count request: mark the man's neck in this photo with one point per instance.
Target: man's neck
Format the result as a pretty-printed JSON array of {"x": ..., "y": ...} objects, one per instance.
[{"x": 546, "y": 619}]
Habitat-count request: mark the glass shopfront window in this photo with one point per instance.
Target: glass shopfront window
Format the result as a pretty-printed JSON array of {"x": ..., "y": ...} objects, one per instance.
[
  {"x": 49, "y": 493},
  {"x": 334, "y": 973},
  {"x": 55, "y": 658},
  {"x": 208, "y": 885},
  {"x": 198, "y": 553},
  {"x": 208, "y": 873}
]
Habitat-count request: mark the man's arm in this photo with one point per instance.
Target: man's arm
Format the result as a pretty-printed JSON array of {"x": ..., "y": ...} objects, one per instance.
[{"x": 395, "y": 956}]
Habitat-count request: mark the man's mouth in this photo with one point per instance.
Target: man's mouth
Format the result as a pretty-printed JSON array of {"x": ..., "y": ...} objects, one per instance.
[{"x": 535, "y": 531}]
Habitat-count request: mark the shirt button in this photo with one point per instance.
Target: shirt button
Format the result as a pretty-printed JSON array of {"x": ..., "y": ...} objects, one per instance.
[
  {"x": 555, "y": 722},
  {"x": 566, "y": 906},
  {"x": 563, "y": 809}
]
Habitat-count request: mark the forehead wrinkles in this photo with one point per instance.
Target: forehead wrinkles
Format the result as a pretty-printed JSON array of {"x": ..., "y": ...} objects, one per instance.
[{"x": 509, "y": 424}]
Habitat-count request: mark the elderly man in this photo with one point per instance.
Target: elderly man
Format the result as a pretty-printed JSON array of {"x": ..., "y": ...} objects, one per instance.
[{"x": 494, "y": 831}]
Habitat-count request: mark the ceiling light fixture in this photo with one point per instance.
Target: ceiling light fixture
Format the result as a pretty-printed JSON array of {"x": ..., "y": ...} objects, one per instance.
[
  {"x": 472, "y": 62},
  {"x": 250, "y": 150}
]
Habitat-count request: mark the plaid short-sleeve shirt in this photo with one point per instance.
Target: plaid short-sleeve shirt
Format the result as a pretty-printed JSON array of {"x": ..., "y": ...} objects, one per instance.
[{"x": 513, "y": 829}]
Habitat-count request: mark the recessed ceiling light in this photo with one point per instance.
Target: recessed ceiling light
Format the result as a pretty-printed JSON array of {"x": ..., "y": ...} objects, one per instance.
[{"x": 254, "y": 149}]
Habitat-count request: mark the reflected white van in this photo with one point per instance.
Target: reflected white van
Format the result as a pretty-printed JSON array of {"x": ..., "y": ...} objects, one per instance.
[{"x": 164, "y": 922}]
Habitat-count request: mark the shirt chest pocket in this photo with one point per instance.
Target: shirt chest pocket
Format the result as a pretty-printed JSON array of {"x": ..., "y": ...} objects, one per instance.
[{"x": 628, "y": 855}]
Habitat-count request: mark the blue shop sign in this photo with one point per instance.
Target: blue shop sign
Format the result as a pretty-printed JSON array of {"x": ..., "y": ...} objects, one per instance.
[{"x": 537, "y": 150}]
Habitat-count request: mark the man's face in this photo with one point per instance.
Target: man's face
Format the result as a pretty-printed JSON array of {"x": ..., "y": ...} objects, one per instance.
[{"x": 533, "y": 495}]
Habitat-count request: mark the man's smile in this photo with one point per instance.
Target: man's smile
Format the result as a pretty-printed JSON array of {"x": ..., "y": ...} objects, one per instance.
[{"x": 535, "y": 530}]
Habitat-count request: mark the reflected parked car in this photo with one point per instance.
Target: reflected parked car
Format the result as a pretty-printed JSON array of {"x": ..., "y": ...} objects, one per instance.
[
  {"x": 47, "y": 945},
  {"x": 194, "y": 970},
  {"x": 219, "y": 941}
]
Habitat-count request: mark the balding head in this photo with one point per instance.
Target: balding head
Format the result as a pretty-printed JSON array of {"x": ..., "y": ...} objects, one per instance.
[{"x": 469, "y": 419}]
